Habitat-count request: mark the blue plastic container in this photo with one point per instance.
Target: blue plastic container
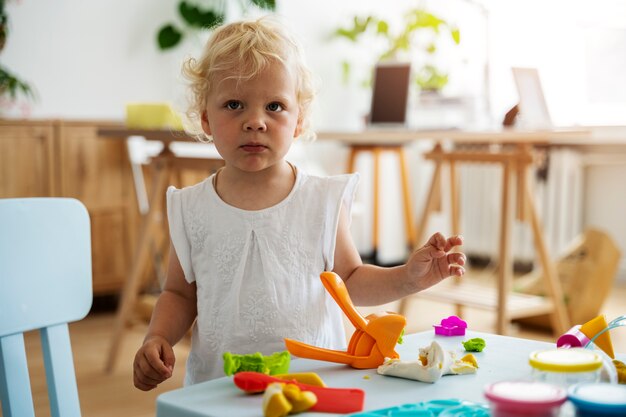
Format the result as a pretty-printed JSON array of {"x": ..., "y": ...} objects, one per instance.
[{"x": 598, "y": 399}]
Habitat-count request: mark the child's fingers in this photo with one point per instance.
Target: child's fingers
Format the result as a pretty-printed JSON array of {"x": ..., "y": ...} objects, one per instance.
[
  {"x": 168, "y": 358},
  {"x": 457, "y": 258},
  {"x": 142, "y": 385},
  {"x": 452, "y": 242},
  {"x": 144, "y": 376},
  {"x": 457, "y": 270},
  {"x": 159, "y": 368},
  {"x": 437, "y": 241},
  {"x": 428, "y": 253}
]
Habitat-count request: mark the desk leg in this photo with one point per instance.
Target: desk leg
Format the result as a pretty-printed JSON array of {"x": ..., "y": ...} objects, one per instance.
[
  {"x": 141, "y": 257},
  {"x": 559, "y": 316},
  {"x": 408, "y": 203},
  {"x": 505, "y": 266},
  {"x": 455, "y": 220},
  {"x": 376, "y": 212},
  {"x": 431, "y": 203}
]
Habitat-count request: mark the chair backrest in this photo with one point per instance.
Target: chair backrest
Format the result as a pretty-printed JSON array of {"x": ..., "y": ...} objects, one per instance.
[{"x": 45, "y": 283}]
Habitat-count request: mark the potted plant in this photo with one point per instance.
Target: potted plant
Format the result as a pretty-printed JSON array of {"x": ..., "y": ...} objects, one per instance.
[
  {"x": 197, "y": 16},
  {"x": 11, "y": 86},
  {"x": 416, "y": 40}
]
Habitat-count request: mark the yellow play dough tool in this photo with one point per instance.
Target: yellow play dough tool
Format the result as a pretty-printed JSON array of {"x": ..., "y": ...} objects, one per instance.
[
  {"x": 596, "y": 328},
  {"x": 309, "y": 378},
  {"x": 373, "y": 340}
]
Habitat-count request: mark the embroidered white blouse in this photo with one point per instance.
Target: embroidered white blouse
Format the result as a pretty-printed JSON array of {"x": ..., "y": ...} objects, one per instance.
[{"x": 257, "y": 272}]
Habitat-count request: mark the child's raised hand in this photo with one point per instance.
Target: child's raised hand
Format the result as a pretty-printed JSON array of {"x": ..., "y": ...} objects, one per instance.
[
  {"x": 154, "y": 363},
  {"x": 432, "y": 262}
]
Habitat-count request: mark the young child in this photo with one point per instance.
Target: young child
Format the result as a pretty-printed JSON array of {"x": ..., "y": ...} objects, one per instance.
[{"x": 249, "y": 242}]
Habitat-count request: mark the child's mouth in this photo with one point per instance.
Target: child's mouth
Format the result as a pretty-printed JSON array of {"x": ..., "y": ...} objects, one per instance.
[{"x": 253, "y": 148}]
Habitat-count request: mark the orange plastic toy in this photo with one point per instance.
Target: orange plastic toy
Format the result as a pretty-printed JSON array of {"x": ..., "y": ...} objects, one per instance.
[{"x": 373, "y": 340}]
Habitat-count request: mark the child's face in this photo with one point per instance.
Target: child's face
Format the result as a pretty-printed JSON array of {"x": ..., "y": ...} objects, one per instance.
[{"x": 254, "y": 122}]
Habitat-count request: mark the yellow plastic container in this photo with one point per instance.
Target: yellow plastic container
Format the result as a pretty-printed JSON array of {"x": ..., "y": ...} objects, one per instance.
[
  {"x": 565, "y": 367},
  {"x": 152, "y": 116}
]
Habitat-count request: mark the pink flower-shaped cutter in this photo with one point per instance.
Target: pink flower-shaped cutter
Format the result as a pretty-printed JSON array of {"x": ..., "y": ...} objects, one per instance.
[{"x": 451, "y": 326}]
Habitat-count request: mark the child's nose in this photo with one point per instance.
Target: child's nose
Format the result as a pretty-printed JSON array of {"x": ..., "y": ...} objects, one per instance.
[{"x": 256, "y": 124}]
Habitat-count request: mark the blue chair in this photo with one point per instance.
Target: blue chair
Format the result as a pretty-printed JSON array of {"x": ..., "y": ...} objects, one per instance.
[{"x": 45, "y": 283}]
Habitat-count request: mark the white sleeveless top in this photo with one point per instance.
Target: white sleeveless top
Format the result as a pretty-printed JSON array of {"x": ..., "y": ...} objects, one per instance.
[{"x": 257, "y": 272}]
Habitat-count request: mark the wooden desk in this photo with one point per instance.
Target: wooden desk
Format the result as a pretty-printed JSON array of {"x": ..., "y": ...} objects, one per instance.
[
  {"x": 376, "y": 141},
  {"x": 513, "y": 150},
  {"x": 504, "y": 358}
]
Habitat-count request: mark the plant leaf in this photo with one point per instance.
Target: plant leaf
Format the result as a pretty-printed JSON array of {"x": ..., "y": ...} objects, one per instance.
[
  {"x": 345, "y": 72},
  {"x": 456, "y": 35},
  {"x": 265, "y": 4},
  {"x": 382, "y": 27},
  {"x": 345, "y": 33},
  {"x": 11, "y": 85},
  {"x": 168, "y": 37},
  {"x": 197, "y": 18}
]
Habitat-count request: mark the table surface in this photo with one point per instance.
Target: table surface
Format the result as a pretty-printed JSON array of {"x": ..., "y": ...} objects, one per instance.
[
  {"x": 503, "y": 358},
  {"x": 395, "y": 136}
]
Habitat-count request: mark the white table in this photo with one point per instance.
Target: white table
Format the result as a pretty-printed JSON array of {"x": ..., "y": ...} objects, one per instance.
[{"x": 503, "y": 358}]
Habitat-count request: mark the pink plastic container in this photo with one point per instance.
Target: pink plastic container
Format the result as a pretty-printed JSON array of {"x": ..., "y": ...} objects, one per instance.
[{"x": 525, "y": 398}]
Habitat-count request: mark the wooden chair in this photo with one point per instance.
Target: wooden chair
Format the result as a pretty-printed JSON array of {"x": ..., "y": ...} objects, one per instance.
[{"x": 45, "y": 283}]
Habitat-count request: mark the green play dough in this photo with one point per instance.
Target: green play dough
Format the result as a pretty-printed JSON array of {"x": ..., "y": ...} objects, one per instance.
[{"x": 474, "y": 345}]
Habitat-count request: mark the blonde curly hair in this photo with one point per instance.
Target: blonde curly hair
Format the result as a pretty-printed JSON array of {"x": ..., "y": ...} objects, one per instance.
[{"x": 240, "y": 51}]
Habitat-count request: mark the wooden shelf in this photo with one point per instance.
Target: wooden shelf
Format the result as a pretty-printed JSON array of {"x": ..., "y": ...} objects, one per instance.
[{"x": 485, "y": 298}]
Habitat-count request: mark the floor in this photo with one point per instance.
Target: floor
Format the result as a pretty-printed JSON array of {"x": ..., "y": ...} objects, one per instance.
[{"x": 106, "y": 395}]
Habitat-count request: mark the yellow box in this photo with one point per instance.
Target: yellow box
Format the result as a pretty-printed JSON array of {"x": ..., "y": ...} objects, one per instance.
[{"x": 152, "y": 116}]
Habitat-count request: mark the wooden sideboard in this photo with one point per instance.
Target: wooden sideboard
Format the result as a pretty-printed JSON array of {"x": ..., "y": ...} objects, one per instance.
[{"x": 54, "y": 158}]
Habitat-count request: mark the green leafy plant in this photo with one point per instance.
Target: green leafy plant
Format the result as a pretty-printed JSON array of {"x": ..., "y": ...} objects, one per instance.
[
  {"x": 197, "y": 16},
  {"x": 11, "y": 85},
  {"x": 418, "y": 37}
]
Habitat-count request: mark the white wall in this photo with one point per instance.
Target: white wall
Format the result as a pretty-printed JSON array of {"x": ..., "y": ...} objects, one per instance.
[{"x": 88, "y": 58}]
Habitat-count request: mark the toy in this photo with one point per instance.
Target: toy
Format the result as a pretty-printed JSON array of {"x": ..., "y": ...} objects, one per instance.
[
  {"x": 452, "y": 326},
  {"x": 527, "y": 398},
  {"x": 474, "y": 345},
  {"x": 281, "y": 399},
  {"x": 329, "y": 400},
  {"x": 276, "y": 363},
  {"x": 309, "y": 378},
  {"x": 598, "y": 399},
  {"x": 432, "y": 364},
  {"x": 373, "y": 340},
  {"x": 621, "y": 371},
  {"x": 595, "y": 331},
  {"x": 432, "y": 408}
]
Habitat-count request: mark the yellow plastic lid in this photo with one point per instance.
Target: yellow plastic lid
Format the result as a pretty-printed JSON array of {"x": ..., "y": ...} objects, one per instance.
[{"x": 565, "y": 360}]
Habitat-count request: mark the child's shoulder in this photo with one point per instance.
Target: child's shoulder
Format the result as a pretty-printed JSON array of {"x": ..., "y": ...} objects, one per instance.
[
  {"x": 320, "y": 182},
  {"x": 191, "y": 190},
  {"x": 326, "y": 179}
]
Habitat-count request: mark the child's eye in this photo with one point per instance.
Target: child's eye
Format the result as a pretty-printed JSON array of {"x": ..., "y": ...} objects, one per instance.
[
  {"x": 274, "y": 107},
  {"x": 233, "y": 105}
]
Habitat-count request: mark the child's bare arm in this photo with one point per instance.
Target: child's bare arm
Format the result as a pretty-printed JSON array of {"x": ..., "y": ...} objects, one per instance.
[
  {"x": 373, "y": 285},
  {"x": 173, "y": 314}
]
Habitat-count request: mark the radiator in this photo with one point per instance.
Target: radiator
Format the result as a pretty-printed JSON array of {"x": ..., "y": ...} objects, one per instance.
[{"x": 557, "y": 186}]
